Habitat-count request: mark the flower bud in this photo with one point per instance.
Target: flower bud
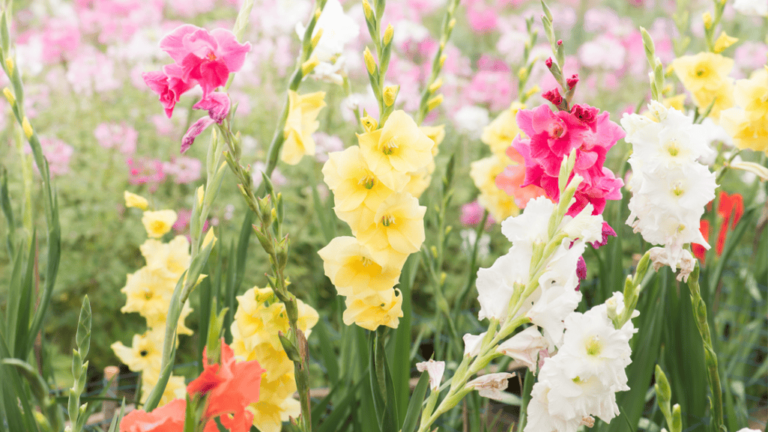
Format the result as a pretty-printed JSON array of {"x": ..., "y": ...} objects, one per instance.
[
  {"x": 559, "y": 42},
  {"x": 452, "y": 23},
  {"x": 723, "y": 42},
  {"x": 317, "y": 13},
  {"x": 553, "y": 96},
  {"x": 9, "y": 66},
  {"x": 572, "y": 81},
  {"x": 435, "y": 86},
  {"x": 369, "y": 123},
  {"x": 370, "y": 63},
  {"x": 390, "y": 94},
  {"x": 434, "y": 102},
  {"x": 367, "y": 10},
  {"x": 9, "y": 95},
  {"x": 707, "y": 18},
  {"x": 200, "y": 196},
  {"x": 308, "y": 66},
  {"x": 663, "y": 391},
  {"x": 28, "y": 131},
  {"x": 522, "y": 74},
  {"x": 389, "y": 33},
  {"x": 316, "y": 37},
  {"x": 548, "y": 62},
  {"x": 442, "y": 60},
  {"x": 210, "y": 237}
]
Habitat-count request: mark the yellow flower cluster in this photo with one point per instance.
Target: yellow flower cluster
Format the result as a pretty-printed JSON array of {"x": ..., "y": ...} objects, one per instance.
[
  {"x": 498, "y": 135},
  {"x": 148, "y": 292},
  {"x": 705, "y": 76},
  {"x": 300, "y": 124},
  {"x": 258, "y": 320},
  {"x": 376, "y": 187},
  {"x": 748, "y": 124}
]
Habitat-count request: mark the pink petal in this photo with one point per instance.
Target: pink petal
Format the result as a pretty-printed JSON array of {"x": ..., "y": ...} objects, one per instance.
[
  {"x": 194, "y": 131},
  {"x": 543, "y": 117},
  {"x": 585, "y": 160},
  {"x": 524, "y": 120},
  {"x": 230, "y": 51},
  {"x": 217, "y": 104},
  {"x": 175, "y": 43}
]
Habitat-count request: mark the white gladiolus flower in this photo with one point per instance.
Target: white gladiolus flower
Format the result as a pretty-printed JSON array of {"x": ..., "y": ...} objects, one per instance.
[
  {"x": 338, "y": 29},
  {"x": 530, "y": 226},
  {"x": 435, "y": 369},
  {"x": 525, "y": 347},
  {"x": 752, "y": 7},
  {"x": 495, "y": 285},
  {"x": 472, "y": 344},
  {"x": 549, "y": 311},
  {"x": 670, "y": 188},
  {"x": 491, "y": 385}
]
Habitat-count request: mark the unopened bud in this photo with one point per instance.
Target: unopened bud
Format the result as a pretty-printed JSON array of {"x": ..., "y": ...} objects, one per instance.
[
  {"x": 723, "y": 42},
  {"x": 707, "y": 18},
  {"x": 316, "y": 37},
  {"x": 434, "y": 102},
  {"x": 9, "y": 66},
  {"x": 370, "y": 63},
  {"x": 28, "y": 131},
  {"x": 442, "y": 60},
  {"x": 435, "y": 86},
  {"x": 559, "y": 42},
  {"x": 210, "y": 237},
  {"x": 308, "y": 66},
  {"x": 572, "y": 81},
  {"x": 522, "y": 74},
  {"x": 367, "y": 10},
  {"x": 9, "y": 95},
  {"x": 200, "y": 196},
  {"x": 317, "y": 13},
  {"x": 452, "y": 23},
  {"x": 369, "y": 123},
  {"x": 389, "y": 33},
  {"x": 663, "y": 391},
  {"x": 548, "y": 62},
  {"x": 390, "y": 94}
]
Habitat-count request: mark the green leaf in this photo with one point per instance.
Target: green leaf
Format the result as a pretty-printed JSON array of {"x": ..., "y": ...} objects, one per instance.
[
  {"x": 401, "y": 367},
  {"x": 117, "y": 419},
  {"x": 414, "y": 406},
  {"x": 330, "y": 360},
  {"x": 335, "y": 418}
]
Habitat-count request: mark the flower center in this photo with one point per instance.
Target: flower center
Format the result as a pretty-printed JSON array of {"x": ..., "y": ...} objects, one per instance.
[
  {"x": 557, "y": 130},
  {"x": 388, "y": 220},
  {"x": 211, "y": 56},
  {"x": 143, "y": 353},
  {"x": 678, "y": 190},
  {"x": 594, "y": 347},
  {"x": 701, "y": 72},
  {"x": 368, "y": 182},
  {"x": 148, "y": 294},
  {"x": 672, "y": 148},
  {"x": 390, "y": 147},
  {"x": 158, "y": 226},
  {"x": 365, "y": 261}
]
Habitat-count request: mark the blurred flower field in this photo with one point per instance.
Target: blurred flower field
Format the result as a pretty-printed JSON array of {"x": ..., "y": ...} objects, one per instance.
[{"x": 400, "y": 215}]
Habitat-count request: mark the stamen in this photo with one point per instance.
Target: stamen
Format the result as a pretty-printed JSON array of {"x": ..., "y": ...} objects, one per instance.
[{"x": 388, "y": 220}]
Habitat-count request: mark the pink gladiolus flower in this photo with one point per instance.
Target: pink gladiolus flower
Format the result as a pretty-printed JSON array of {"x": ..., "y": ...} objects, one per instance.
[
  {"x": 194, "y": 131},
  {"x": 472, "y": 214},
  {"x": 553, "y": 136},
  {"x": 217, "y": 104},
  {"x": 168, "y": 88},
  {"x": 205, "y": 57},
  {"x": 120, "y": 136}
]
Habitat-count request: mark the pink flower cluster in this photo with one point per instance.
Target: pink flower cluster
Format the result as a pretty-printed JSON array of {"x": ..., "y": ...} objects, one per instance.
[
  {"x": 120, "y": 136},
  {"x": 201, "y": 58},
  {"x": 58, "y": 154},
  {"x": 552, "y": 136}
]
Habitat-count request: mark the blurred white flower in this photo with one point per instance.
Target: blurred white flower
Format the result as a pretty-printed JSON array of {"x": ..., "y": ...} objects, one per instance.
[
  {"x": 752, "y": 7},
  {"x": 471, "y": 120}
]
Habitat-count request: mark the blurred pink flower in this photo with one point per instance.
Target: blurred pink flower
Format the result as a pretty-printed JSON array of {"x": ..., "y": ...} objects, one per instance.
[
  {"x": 472, "y": 214},
  {"x": 58, "y": 154},
  {"x": 163, "y": 125},
  {"x": 60, "y": 40},
  {"x": 191, "y": 8},
  {"x": 118, "y": 20},
  {"x": 482, "y": 19},
  {"x": 183, "y": 216},
  {"x": 92, "y": 71},
  {"x": 183, "y": 169},
  {"x": 145, "y": 171},
  {"x": 121, "y": 136},
  {"x": 511, "y": 180},
  {"x": 490, "y": 88},
  {"x": 750, "y": 56}
]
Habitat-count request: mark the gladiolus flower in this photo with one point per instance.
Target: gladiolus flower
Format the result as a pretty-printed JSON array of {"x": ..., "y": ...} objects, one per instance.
[
  {"x": 167, "y": 418},
  {"x": 397, "y": 229},
  {"x": 300, "y": 125},
  {"x": 157, "y": 223},
  {"x": 353, "y": 270},
  {"x": 133, "y": 200}
]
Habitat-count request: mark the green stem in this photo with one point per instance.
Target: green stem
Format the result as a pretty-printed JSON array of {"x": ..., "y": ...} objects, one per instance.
[
  {"x": 527, "y": 388},
  {"x": 710, "y": 357}
]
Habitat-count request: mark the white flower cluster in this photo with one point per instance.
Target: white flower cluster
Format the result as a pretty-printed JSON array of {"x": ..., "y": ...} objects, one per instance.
[
  {"x": 669, "y": 187},
  {"x": 338, "y": 29},
  {"x": 556, "y": 295},
  {"x": 581, "y": 381},
  {"x": 582, "y": 357}
]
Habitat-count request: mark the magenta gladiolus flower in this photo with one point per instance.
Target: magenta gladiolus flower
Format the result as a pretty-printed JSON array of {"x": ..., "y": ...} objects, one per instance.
[
  {"x": 204, "y": 57},
  {"x": 553, "y": 136},
  {"x": 169, "y": 89}
]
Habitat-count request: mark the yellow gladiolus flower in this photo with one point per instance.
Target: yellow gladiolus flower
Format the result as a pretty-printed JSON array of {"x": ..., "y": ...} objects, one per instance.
[
  {"x": 169, "y": 259},
  {"x": 175, "y": 389},
  {"x": 145, "y": 354},
  {"x": 155, "y": 322},
  {"x": 276, "y": 404},
  {"x": 705, "y": 76},
  {"x": 396, "y": 149},
  {"x": 157, "y": 223},
  {"x": 498, "y": 135},
  {"x": 419, "y": 180},
  {"x": 483, "y": 172},
  {"x": 398, "y": 229},
  {"x": 300, "y": 125},
  {"x": 353, "y": 184},
  {"x": 723, "y": 42},
  {"x": 352, "y": 269},
  {"x": 436, "y": 134},
  {"x": 133, "y": 200},
  {"x": 148, "y": 293},
  {"x": 379, "y": 308},
  {"x": 748, "y": 124}
]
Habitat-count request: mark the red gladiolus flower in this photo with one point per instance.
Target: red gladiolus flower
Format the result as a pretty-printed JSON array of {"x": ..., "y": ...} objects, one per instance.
[
  {"x": 730, "y": 208},
  {"x": 700, "y": 251},
  {"x": 167, "y": 418},
  {"x": 231, "y": 387}
]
